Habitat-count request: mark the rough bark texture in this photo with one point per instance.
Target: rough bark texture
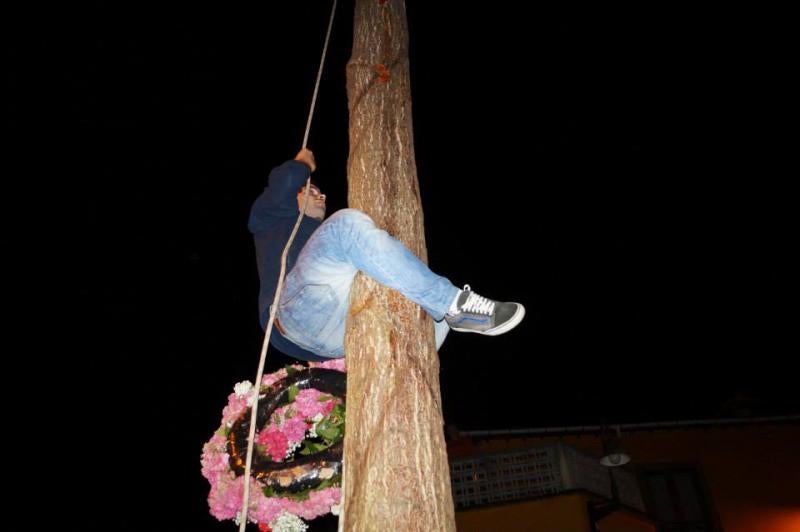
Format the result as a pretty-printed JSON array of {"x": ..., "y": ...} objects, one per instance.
[{"x": 397, "y": 475}]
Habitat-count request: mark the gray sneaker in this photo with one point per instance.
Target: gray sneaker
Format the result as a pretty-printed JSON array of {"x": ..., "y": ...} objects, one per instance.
[{"x": 480, "y": 315}]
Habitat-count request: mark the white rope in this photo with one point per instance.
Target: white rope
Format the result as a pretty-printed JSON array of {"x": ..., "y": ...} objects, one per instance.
[
  {"x": 260, "y": 373},
  {"x": 276, "y": 300},
  {"x": 319, "y": 75},
  {"x": 340, "y": 528}
]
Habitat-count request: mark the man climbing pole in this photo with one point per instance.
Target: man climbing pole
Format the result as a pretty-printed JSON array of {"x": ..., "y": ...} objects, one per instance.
[{"x": 324, "y": 259}]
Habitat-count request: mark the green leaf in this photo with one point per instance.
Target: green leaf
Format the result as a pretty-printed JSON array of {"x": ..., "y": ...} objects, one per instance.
[
  {"x": 304, "y": 495},
  {"x": 338, "y": 412},
  {"x": 322, "y": 398},
  {"x": 329, "y": 433},
  {"x": 293, "y": 391},
  {"x": 299, "y": 496},
  {"x": 310, "y": 447},
  {"x": 290, "y": 371},
  {"x": 329, "y": 482}
]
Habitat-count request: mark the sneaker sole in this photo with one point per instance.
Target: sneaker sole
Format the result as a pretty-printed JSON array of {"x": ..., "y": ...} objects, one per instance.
[{"x": 504, "y": 328}]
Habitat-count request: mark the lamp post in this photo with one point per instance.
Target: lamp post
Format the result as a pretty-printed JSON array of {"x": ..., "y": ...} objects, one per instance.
[{"x": 613, "y": 456}]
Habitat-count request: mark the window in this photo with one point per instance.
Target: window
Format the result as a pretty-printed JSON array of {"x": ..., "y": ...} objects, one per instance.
[{"x": 676, "y": 499}]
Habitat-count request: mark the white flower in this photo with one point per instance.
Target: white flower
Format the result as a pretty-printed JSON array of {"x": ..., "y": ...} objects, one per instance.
[
  {"x": 252, "y": 399},
  {"x": 336, "y": 508},
  {"x": 292, "y": 447},
  {"x": 312, "y": 432},
  {"x": 287, "y": 522},
  {"x": 242, "y": 388}
]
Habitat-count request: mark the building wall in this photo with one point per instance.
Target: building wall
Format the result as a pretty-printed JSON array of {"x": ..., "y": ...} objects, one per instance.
[
  {"x": 623, "y": 522},
  {"x": 567, "y": 513},
  {"x": 751, "y": 472}
]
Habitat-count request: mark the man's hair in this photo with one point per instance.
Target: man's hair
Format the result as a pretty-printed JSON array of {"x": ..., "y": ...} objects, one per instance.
[{"x": 313, "y": 185}]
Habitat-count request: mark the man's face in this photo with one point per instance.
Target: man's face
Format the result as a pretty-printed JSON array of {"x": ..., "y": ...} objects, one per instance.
[{"x": 316, "y": 202}]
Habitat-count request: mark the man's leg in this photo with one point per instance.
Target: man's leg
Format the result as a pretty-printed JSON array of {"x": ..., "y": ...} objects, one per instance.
[
  {"x": 440, "y": 329},
  {"x": 315, "y": 299}
]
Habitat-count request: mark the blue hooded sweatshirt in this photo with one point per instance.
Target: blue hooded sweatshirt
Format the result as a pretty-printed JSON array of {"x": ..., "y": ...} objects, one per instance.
[{"x": 272, "y": 218}]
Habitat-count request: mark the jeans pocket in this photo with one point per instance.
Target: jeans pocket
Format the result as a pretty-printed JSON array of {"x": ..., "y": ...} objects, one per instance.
[{"x": 308, "y": 310}]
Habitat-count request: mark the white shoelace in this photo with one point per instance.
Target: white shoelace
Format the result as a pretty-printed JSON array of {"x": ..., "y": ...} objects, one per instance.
[{"x": 476, "y": 303}]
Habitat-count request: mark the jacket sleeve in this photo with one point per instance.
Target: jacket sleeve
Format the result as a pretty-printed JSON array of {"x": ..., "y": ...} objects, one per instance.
[{"x": 279, "y": 198}]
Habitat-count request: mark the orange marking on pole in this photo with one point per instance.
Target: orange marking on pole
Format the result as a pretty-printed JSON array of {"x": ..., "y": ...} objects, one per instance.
[{"x": 383, "y": 72}]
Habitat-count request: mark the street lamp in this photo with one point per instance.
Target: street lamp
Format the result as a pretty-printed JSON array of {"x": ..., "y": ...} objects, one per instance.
[{"x": 613, "y": 455}]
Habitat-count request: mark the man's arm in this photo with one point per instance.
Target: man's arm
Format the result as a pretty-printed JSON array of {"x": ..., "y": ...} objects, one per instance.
[
  {"x": 285, "y": 180},
  {"x": 280, "y": 196},
  {"x": 306, "y": 157}
]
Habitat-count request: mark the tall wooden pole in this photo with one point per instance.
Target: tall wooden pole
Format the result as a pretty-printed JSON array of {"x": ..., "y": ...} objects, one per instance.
[{"x": 397, "y": 475}]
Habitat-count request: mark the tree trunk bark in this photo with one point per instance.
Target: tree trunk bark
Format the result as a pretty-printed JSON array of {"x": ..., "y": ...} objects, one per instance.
[{"x": 396, "y": 471}]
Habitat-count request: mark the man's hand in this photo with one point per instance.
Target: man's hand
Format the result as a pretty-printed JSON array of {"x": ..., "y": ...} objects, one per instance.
[{"x": 306, "y": 157}]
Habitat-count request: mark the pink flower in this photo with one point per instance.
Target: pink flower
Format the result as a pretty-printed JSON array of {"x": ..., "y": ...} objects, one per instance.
[
  {"x": 337, "y": 364},
  {"x": 214, "y": 460},
  {"x": 225, "y": 499},
  {"x": 268, "y": 508},
  {"x": 235, "y": 408},
  {"x": 272, "y": 378},
  {"x": 295, "y": 428},
  {"x": 276, "y": 442},
  {"x": 318, "y": 503},
  {"x": 308, "y": 404},
  {"x": 280, "y": 434},
  {"x": 279, "y": 414}
]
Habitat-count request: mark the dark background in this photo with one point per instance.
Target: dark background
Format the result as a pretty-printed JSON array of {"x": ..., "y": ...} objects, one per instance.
[{"x": 593, "y": 165}]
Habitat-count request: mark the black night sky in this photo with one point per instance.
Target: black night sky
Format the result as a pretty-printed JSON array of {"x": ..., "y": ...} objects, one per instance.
[{"x": 567, "y": 160}]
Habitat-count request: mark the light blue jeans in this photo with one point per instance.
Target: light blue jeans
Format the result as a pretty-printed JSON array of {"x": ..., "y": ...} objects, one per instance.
[{"x": 316, "y": 295}]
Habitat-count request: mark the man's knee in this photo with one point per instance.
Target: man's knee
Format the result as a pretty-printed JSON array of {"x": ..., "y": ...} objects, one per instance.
[
  {"x": 350, "y": 216},
  {"x": 349, "y": 225}
]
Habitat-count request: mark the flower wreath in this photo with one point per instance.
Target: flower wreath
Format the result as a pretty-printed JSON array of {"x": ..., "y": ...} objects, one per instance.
[{"x": 296, "y": 466}]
